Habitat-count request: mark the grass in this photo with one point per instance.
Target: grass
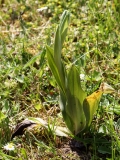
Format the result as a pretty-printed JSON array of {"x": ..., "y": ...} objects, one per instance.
[{"x": 27, "y": 87}]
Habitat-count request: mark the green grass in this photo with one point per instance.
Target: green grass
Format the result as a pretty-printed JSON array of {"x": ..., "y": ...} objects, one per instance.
[{"x": 27, "y": 87}]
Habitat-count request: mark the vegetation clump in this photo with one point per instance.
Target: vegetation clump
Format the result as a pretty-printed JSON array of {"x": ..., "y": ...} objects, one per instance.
[{"x": 28, "y": 88}]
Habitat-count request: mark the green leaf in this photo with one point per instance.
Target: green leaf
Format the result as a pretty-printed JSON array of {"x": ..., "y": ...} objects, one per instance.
[
  {"x": 20, "y": 79},
  {"x": 118, "y": 125},
  {"x": 2, "y": 116},
  {"x": 73, "y": 82},
  {"x": 34, "y": 58},
  {"x": 31, "y": 61},
  {"x": 118, "y": 122},
  {"x": 74, "y": 111},
  {"x": 66, "y": 117},
  {"x": 54, "y": 69},
  {"x": 5, "y": 156},
  {"x": 75, "y": 97},
  {"x": 104, "y": 150},
  {"x": 65, "y": 18},
  {"x": 57, "y": 48},
  {"x": 59, "y": 39},
  {"x": 38, "y": 106},
  {"x": 24, "y": 153},
  {"x": 116, "y": 109},
  {"x": 57, "y": 54}
]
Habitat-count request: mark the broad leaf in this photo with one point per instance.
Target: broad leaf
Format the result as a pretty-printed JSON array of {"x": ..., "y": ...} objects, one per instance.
[
  {"x": 54, "y": 68},
  {"x": 74, "y": 111},
  {"x": 68, "y": 120},
  {"x": 64, "y": 25},
  {"x": 57, "y": 55},
  {"x": 74, "y": 84},
  {"x": 57, "y": 49},
  {"x": 90, "y": 106},
  {"x": 31, "y": 123},
  {"x": 75, "y": 97}
]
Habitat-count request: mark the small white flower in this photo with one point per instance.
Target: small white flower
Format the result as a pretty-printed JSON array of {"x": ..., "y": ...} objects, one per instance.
[
  {"x": 82, "y": 76},
  {"x": 9, "y": 146}
]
